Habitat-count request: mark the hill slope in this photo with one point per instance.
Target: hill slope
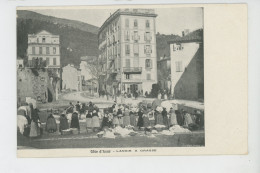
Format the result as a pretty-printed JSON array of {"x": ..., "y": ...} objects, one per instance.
[{"x": 75, "y": 41}]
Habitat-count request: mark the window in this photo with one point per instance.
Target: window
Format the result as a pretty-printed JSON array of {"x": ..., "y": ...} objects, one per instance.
[
  {"x": 178, "y": 66},
  {"x": 136, "y": 49},
  {"x": 54, "y": 61},
  {"x": 43, "y": 40},
  {"x": 127, "y": 76},
  {"x": 127, "y": 23},
  {"x": 127, "y": 63},
  {"x": 136, "y": 36},
  {"x": 40, "y": 50},
  {"x": 148, "y": 63},
  {"x": 135, "y": 23},
  {"x": 148, "y": 76},
  {"x": 147, "y": 49},
  {"x": 127, "y": 49},
  {"x": 127, "y": 36},
  {"x": 54, "y": 50},
  {"x": 47, "y": 50},
  {"x": 37, "y": 40},
  {"x": 47, "y": 61},
  {"x": 147, "y": 36},
  {"x": 147, "y": 24},
  {"x": 33, "y": 50}
]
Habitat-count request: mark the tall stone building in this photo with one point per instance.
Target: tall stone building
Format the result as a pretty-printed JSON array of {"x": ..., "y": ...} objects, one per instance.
[
  {"x": 43, "y": 50},
  {"x": 43, "y": 55},
  {"x": 187, "y": 66},
  {"x": 127, "y": 51}
]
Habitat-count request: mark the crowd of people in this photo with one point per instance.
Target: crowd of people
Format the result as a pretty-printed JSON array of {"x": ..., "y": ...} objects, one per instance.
[{"x": 142, "y": 116}]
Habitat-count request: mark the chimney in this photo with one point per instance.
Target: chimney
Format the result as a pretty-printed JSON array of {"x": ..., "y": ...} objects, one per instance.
[{"x": 185, "y": 32}]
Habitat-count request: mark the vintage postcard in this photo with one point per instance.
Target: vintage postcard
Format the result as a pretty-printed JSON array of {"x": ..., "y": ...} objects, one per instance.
[{"x": 131, "y": 80}]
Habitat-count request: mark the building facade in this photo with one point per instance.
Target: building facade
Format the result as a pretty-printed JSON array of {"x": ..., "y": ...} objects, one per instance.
[
  {"x": 43, "y": 50},
  {"x": 127, "y": 51},
  {"x": 164, "y": 73},
  {"x": 187, "y": 66},
  {"x": 71, "y": 78}
]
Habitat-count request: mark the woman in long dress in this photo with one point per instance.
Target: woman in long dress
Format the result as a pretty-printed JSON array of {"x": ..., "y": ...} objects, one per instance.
[
  {"x": 140, "y": 122},
  {"x": 120, "y": 117},
  {"x": 126, "y": 118},
  {"x": 115, "y": 119},
  {"x": 165, "y": 118},
  {"x": 159, "y": 118},
  {"x": 75, "y": 121},
  {"x": 132, "y": 119},
  {"x": 64, "y": 125},
  {"x": 88, "y": 121},
  {"x": 173, "y": 118},
  {"x": 95, "y": 121},
  {"x": 51, "y": 125},
  {"x": 187, "y": 120},
  {"x": 35, "y": 129}
]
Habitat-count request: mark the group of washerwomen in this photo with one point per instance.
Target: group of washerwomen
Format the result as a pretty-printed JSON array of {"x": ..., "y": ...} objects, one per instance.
[{"x": 116, "y": 115}]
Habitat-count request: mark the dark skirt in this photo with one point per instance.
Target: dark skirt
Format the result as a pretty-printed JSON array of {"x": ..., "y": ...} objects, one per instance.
[
  {"x": 74, "y": 122},
  {"x": 64, "y": 125},
  {"x": 51, "y": 124},
  {"x": 159, "y": 119},
  {"x": 140, "y": 122}
]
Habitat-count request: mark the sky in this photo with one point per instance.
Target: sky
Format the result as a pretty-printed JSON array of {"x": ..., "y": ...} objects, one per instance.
[{"x": 168, "y": 21}]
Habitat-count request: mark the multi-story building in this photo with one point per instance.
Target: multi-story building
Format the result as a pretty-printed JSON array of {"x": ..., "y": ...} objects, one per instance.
[
  {"x": 164, "y": 73},
  {"x": 127, "y": 51},
  {"x": 43, "y": 50},
  {"x": 187, "y": 66}
]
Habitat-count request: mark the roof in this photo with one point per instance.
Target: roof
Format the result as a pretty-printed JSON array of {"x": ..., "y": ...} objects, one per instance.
[
  {"x": 130, "y": 12},
  {"x": 195, "y": 36}
]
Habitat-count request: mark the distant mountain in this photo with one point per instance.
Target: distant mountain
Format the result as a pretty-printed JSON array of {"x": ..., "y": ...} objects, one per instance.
[
  {"x": 77, "y": 39},
  {"x": 24, "y": 14}
]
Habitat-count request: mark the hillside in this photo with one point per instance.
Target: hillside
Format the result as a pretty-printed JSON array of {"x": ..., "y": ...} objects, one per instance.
[
  {"x": 76, "y": 41},
  {"x": 24, "y": 14},
  {"x": 162, "y": 47}
]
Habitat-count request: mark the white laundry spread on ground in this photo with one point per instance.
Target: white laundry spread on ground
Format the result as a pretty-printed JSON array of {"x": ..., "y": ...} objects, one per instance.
[
  {"x": 177, "y": 128},
  {"x": 21, "y": 122},
  {"x": 167, "y": 132}
]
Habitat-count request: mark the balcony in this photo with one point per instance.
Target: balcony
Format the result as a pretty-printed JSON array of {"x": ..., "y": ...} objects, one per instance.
[
  {"x": 36, "y": 64},
  {"x": 132, "y": 70}
]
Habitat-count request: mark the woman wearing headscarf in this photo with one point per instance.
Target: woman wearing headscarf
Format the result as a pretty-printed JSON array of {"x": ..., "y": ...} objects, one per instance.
[
  {"x": 187, "y": 119},
  {"x": 132, "y": 119},
  {"x": 165, "y": 118},
  {"x": 64, "y": 125},
  {"x": 83, "y": 110},
  {"x": 51, "y": 125},
  {"x": 22, "y": 120},
  {"x": 115, "y": 118},
  {"x": 88, "y": 121},
  {"x": 95, "y": 121},
  {"x": 173, "y": 118},
  {"x": 75, "y": 121},
  {"x": 35, "y": 129},
  {"x": 159, "y": 117},
  {"x": 126, "y": 118},
  {"x": 146, "y": 118},
  {"x": 106, "y": 122},
  {"x": 120, "y": 117},
  {"x": 140, "y": 122}
]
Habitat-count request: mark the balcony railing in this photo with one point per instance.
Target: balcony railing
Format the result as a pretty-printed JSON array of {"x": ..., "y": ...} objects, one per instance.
[
  {"x": 132, "y": 69},
  {"x": 36, "y": 64}
]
